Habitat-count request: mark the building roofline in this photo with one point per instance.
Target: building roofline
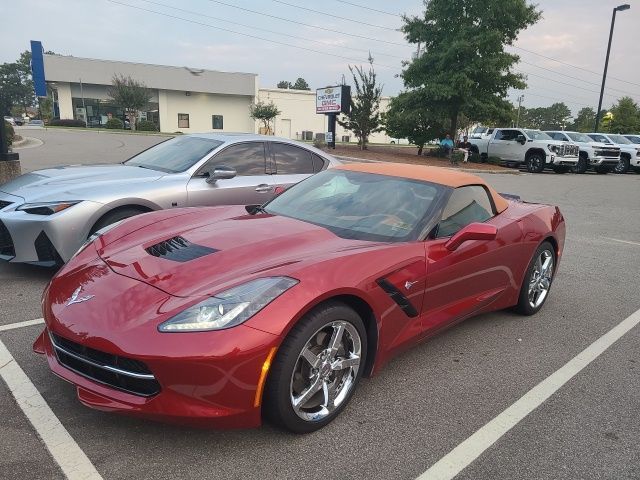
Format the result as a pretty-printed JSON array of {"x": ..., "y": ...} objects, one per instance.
[{"x": 148, "y": 64}]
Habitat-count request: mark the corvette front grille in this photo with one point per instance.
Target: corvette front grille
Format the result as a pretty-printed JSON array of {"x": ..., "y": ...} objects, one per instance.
[
  {"x": 121, "y": 373},
  {"x": 178, "y": 249},
  {"x": 6, "y": 242}
]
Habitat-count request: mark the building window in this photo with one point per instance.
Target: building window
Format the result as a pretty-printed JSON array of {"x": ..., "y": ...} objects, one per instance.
[
  {"x": 217, "y": 122},
  {"x": 183, "y": 120}
]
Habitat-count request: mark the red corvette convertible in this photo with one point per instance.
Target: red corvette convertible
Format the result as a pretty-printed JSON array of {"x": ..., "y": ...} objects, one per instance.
[{"x": 224, "y": 316}]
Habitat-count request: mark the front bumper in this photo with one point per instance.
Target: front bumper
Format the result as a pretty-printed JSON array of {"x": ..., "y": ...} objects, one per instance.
[
  {"x": 604, "y": 161},
  {"x": 554, "y": 159},
  {"x": 41, "y": 239},
  {"x": 208, "y": 379}
]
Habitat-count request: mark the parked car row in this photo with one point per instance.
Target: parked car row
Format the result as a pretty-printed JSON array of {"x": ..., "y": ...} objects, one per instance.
[{"x": 560, "y": 151}]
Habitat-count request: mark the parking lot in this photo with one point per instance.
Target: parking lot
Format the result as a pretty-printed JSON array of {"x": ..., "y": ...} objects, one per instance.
[{"x": 422, "y": 405}]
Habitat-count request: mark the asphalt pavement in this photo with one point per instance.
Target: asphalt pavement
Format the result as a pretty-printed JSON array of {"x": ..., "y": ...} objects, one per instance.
[{"x": 425, "y": 402}]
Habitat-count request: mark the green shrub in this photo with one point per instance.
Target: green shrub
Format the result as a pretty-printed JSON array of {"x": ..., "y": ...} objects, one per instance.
[
  {"x": 319, "y": 143},
  {"x": 114, "y": 123},
  {"x": 494, "y": 161},
  {"x": 66, "y": 122},
  {"x": 9, "y": 133},
  {"x": 146, "y": 126}
]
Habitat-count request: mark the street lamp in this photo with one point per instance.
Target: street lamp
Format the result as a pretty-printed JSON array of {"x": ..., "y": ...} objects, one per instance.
[{"x": 619, "y": 8}]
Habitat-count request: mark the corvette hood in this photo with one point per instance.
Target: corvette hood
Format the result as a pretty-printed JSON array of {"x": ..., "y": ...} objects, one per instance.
[
  {"x": 75, "y": 182},
  {"x": 211, "y": 249}
]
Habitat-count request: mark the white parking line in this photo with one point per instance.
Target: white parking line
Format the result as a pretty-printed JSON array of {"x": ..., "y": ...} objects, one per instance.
[
  {"x": 65, "y": 451},
  {"x": 623, "y": 241},
  {"x": 460, "y": 457},
  {"x": 27, "y": 323}
]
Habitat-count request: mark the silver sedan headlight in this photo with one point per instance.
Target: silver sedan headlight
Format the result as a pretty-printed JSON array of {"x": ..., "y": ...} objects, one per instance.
[
  {"x": 46, "y": 208},
  {"x": 229, "y": 308}
]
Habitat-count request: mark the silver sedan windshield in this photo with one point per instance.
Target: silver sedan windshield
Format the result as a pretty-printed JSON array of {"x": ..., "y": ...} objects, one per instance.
[{"x": 175, "y": 155}]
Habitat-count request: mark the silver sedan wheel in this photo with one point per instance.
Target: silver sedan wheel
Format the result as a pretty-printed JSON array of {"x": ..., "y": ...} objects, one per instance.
[
  {"x": 541, "y": 278},
  {"x": 325, "y": 371}
]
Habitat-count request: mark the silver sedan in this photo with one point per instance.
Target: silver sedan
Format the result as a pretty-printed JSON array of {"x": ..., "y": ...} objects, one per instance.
[{"x": 46, "y": 215}]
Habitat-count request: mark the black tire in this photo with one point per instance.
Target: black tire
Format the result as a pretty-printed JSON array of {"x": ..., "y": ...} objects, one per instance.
[
  {"x": 601, "y": 170},
  {"x": 277, "y": 402},
  {"x": 115, "y": 216},
  {"x": 582, "y": 165},
  {"x": 535, "y": 162},
  {"x": 524, "y": 307},
  {"x": 623, "y": 165}
]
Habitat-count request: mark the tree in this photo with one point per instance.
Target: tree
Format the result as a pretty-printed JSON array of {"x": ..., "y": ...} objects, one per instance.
[
  {"x": 464, "y": 64},
  {"x": 16, "y": 86},
  {"x": 584, "y": 120},
  {"x": 131, "y": 95},
  {"x": 265, "y": 113},
  {"x": 364, "y": 116},
  {"x": 554, "y": 117},
  {"x": 626, "y": 116},
  {"x": 301, "y": 84},
  {"x": 407, "y": 118},
  {"x": 284, "y": 84}
]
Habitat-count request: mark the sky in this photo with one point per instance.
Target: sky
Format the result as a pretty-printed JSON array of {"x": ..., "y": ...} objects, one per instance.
[{"x": 286, "y": 39}]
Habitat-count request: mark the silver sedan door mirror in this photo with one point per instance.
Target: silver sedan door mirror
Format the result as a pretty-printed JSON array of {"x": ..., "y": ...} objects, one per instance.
[{"x": 221, "y": 173}]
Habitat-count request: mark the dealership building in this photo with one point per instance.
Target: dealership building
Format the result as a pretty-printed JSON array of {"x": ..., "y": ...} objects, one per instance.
[{"x": 184, "y": 99}]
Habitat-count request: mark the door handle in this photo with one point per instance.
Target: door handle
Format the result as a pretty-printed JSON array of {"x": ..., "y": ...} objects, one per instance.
[{"x": 263, "y": 188}]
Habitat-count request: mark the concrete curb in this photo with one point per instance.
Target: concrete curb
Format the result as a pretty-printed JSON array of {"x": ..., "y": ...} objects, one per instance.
[
  {"x": 27, "y": 142},
  {"x": 466, "y": 170}
]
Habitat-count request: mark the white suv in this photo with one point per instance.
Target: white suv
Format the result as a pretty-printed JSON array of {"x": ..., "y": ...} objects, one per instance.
[
  {"x": 598, "y": 156},
  {"x": 629, "y": 153}
]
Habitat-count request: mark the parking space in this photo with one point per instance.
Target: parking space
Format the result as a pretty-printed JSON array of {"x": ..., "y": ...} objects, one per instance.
[{"x": 425, "y": 402}]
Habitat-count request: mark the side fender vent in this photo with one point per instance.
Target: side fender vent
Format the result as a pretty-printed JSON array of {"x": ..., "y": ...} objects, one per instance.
[
  {"x": 398, "y": 297},
  {"x": 179, "y": 249}
]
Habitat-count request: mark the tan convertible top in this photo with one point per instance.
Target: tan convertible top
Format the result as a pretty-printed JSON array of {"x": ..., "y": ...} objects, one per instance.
[{"x": 441, "y": 176}]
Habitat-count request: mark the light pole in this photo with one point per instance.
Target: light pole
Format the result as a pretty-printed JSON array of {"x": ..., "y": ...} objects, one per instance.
[
  {"x": 520, "y": 100},
  {"x": 619, "y": 8}
]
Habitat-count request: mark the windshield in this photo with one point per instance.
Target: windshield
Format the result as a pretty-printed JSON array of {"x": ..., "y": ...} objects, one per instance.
[
  {"x": 175, "y": 155},
  {"x": 599, "y": 138},
  {"x": 361, "y": 206},
  {"x": 537, "y": 135},
  {"x": 579, "y": 137},
  {"x": 634, "y": 138},
  {"x": 620, "y": 139}
]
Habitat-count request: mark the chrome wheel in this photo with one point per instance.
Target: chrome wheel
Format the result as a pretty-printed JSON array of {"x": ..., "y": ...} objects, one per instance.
[
  {"x": 325, "y": 371},
  {"x": 541, "y": 278}
]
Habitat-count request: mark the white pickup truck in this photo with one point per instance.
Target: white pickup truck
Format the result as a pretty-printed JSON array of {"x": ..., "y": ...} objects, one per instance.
[
  {"x": 533, "y": 148},
  {"x": 629, "y": 153},
  {"x": 599, "y": 156}
]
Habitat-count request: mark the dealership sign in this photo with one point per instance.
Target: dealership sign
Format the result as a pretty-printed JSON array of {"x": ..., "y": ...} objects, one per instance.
[{"x": 333, "y": 99}]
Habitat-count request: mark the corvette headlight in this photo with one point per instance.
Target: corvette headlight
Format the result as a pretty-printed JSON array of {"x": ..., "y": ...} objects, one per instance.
[
  {"x": 46, "y": 208},
  {"x": 93, "y": 237},
  {"x": 229, "y": 308}
]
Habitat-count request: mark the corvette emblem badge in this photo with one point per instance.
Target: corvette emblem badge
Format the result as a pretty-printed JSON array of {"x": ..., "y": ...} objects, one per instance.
[
  {"x": 409, "y": 284},
  {"x": 75, "y": 298}
]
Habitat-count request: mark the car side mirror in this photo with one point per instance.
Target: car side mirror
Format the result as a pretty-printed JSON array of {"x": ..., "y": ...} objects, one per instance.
[
  {"x": 221, "y": 173},
  {"x": 473, "y": 231},
  {"x": 521, "y": 139}
]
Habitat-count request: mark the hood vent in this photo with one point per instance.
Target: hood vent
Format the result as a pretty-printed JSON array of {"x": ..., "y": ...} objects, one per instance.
[{"x": 179, "y": 249}]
